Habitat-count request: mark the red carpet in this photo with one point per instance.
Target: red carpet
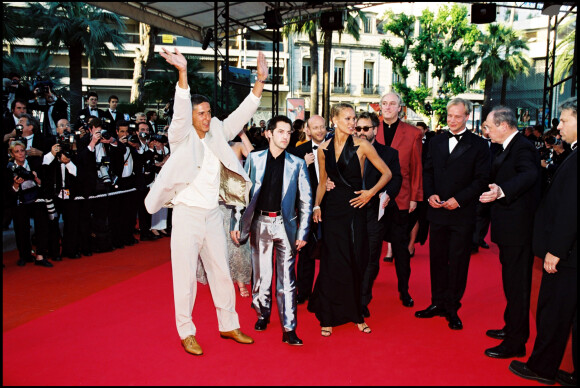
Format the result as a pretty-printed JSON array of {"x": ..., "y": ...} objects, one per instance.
[{"x": 125, "y": 334}]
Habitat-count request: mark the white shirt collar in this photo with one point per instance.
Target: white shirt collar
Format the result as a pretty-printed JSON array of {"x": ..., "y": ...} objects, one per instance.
[{"x": 507, "y": 141}]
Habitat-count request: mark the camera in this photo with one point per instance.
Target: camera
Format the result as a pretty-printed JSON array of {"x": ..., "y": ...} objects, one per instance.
[
  {"x": 15, "y": 82},
  {"x": 19, "y": 136},
  {"x": 20, "y": 172},
  {"x": 159, "y": 138},
  {"x": 65, "y": 141},
  {"x": 105, "y": 134},
  {"x": 103, "y": 171}
]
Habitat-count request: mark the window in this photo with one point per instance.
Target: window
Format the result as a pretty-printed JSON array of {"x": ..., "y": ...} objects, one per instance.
[
  {"x": 423, "y": 80},
  {"x": 368, "y": 25},
  {"x": 466, "y": 78},
  {"x": 368, "y": 78},
  {"x": 339, "y": 74},
  {"x": 306, "y": 73},
  {"x": 396, "y": 78}
]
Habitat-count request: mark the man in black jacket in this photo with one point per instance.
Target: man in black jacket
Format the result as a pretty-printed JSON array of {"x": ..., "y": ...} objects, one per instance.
[
  {"x": 366, "y": 127},
  {"x": 514, "y": 194},
  {"x": 53, "y": 109},
  {"x": 555, "y": 240},
  {"x": 305, "y": 268},
  {"x": 456, "y": 172}
]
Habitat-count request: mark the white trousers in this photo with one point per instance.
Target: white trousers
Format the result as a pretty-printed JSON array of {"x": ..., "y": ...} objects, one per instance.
[{"x": 197, "y": 233}]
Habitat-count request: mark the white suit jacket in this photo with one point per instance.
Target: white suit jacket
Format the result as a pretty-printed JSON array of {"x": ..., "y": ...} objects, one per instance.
[{"x": 187, "y": 153}]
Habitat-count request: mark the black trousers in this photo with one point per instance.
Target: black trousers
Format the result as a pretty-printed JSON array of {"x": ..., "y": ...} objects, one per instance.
[
  {"x": 375, "y": 233},
  {"x": 450, "y": 252},
  {"x": 482, "y": 220},
  {"x": 21, "y": 218},
  {"x": 557, "y": 312},
  {"x": 122, "y": 214},
  {"x": 306, "y": 266},
  {"x": 396, "y": 224},
  {"x": 516, "y": 272},
  {"x": 144, "y": 216},
  {"x": 85, "y": 241},
  {"x": 71, "y": 225}
]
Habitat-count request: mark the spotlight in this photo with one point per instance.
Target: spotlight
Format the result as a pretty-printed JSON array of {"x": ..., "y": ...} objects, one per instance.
[
  {"x": 273, "y": 19},
  {"x": 483, "y": 13},
  {"x": 207, "y": 39},
  {"x": 551, "y": 9}
]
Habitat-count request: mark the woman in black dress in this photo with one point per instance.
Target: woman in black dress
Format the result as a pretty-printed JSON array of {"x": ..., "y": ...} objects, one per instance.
[{"x": 337, "y": 293}]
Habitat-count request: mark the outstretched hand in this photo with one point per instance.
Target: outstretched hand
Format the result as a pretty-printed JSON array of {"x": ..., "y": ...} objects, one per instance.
[
  {"x": 262, "y": 69},
  {"x": 176, "y": 58}
]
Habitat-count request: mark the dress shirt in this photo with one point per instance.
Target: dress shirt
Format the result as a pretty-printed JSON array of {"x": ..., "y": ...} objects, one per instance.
[
  {"x": 94, "y": 112},
  {"x": 113, "y": 114},
  {"x": 271, "y": 191},
  {"x": 315, "y": 151},
  {"x": 573, "y": 146},
  {"x": 203, "y": 192},
  {"x": 29, "y": 140},
  {"x": 453, "y": 139},
  {"x": 389, "y": 131}
]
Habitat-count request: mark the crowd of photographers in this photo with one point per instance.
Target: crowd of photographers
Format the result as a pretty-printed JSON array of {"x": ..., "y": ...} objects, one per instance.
[{"x": 95, "y": 173}]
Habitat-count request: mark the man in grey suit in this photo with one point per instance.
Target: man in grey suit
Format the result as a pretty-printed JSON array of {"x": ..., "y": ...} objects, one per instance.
[
  {"x": 202, "y": 168},
  {"x": 277, "y": 218}
]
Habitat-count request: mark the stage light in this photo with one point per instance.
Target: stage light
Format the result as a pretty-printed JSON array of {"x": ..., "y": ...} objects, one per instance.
[
  {"x": 207, "y": 39},
  {"x": 273, "y": 19},
  {"x": 483, "y": 13}
]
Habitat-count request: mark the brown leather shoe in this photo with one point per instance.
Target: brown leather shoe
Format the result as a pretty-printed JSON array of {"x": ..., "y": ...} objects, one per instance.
[
  {"x": 237, "y": 336},
  {"x": 191, "y": 346}
]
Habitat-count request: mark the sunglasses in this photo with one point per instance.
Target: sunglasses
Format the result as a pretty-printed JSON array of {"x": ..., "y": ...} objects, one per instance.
[{"x": 365, "y": 129}]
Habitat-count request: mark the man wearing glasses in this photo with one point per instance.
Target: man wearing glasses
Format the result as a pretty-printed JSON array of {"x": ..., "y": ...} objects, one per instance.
[{"x": 366, "y": 127}]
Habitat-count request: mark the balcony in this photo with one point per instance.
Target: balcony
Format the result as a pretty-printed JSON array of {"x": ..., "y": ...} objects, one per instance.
[
  {"x": 304, "y": 88},
  {"x": 339, "y": 89},
  {"x": 368, "y": 90}
]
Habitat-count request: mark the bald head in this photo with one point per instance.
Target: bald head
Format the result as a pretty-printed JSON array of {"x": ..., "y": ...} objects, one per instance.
[{"x": 317, "y": 128}]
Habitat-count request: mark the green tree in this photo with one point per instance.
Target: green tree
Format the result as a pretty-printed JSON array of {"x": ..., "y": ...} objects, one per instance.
[
  {"x": 31, "y": 66},
  {"x": 502, "y": 58},
  {"x": 565, "y": 52},
  {"x": 515, "y": 60},
  {"x": 310, "y": 28},
  {"x": 401, "y": 26},
  {"x": 445, "y": 41},
  {"x": 81, "y": 29}
]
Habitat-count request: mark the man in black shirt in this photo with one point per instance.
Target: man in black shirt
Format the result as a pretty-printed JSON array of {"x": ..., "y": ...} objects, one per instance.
[{"x": 280, "y": 183}]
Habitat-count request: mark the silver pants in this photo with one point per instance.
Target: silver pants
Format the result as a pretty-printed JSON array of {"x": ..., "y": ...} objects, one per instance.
[{"x": 266, "y": 235}]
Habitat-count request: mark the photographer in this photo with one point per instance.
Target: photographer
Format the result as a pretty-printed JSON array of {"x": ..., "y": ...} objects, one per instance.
[
  {"x": 159, "y": 143},
  {"x": 60, "y": 175},
  {"x": 112, "y": 116},
  {"x": 555, "y": 152},
  {"x": 23, "y": 194},
  {"x": 95, "y": 183},
  {"x": 123, "y": 205},
  {"x": 14, "y": 90},
  {"x": 51, "y": 107},
  {"x": 28, "y": 132},
  {"x": 145, "y": 174}
]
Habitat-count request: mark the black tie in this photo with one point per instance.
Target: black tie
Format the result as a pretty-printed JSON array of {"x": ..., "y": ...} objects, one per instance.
[
  {"x": 458, "y": 137},
  {"x": 314, "y": 147}
]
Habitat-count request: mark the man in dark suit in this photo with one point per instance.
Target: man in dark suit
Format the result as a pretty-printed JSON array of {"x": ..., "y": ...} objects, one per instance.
[
  {"x": 36, "y": 144},
  {"x": 555, "y": 239},
  {"x": 406, "y": 139},
  {"x": 456, "y": 173},
  {"x": 90, "y": 110},
  {"x": 366, "y": 127},
  {"x": 306, "y": 266},
  {"x": 111, "y": 116},
  {"x": 53, "y": 109},
  {"x": 514, "y": 194}
]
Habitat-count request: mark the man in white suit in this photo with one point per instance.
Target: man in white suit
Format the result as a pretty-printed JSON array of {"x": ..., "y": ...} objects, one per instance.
[{"x": 202, "y": 168}]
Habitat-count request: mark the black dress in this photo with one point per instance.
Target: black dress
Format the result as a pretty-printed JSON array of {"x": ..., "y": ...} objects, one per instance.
[{"x": 337, "y": 293}]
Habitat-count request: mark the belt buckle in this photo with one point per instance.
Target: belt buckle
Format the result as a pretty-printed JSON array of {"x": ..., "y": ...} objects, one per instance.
[{"x": 272, "y": 214}]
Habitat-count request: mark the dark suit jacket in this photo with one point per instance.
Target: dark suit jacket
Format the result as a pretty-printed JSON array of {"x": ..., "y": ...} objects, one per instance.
[
  {"x": 87, "y": 115},
  {"x": 59, "y": 111},
  {"x": 463, "y": 175},
  {"x": 112, "y": 127},
  {"x": 556, "y": 221},
  {"x": 517, "y": 171},
  {"x": 407, "y": 142},
  {"x": 371, "y": 175},
  {"x": 301, "y": 151}
]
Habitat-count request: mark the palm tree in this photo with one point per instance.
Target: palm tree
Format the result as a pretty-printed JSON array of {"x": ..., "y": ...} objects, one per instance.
[
  {"x": 30, "y": 66},
  {"x": 515, "y": 62},
  {"x": 490, "y": 69},
  {"x": 309, "y": 27},
  {"x": 81, "y": 29},
  {"x": 565, "y": 53},
  {"x": 354, "y": 16},
  {"x": 144, "y": 54}
]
